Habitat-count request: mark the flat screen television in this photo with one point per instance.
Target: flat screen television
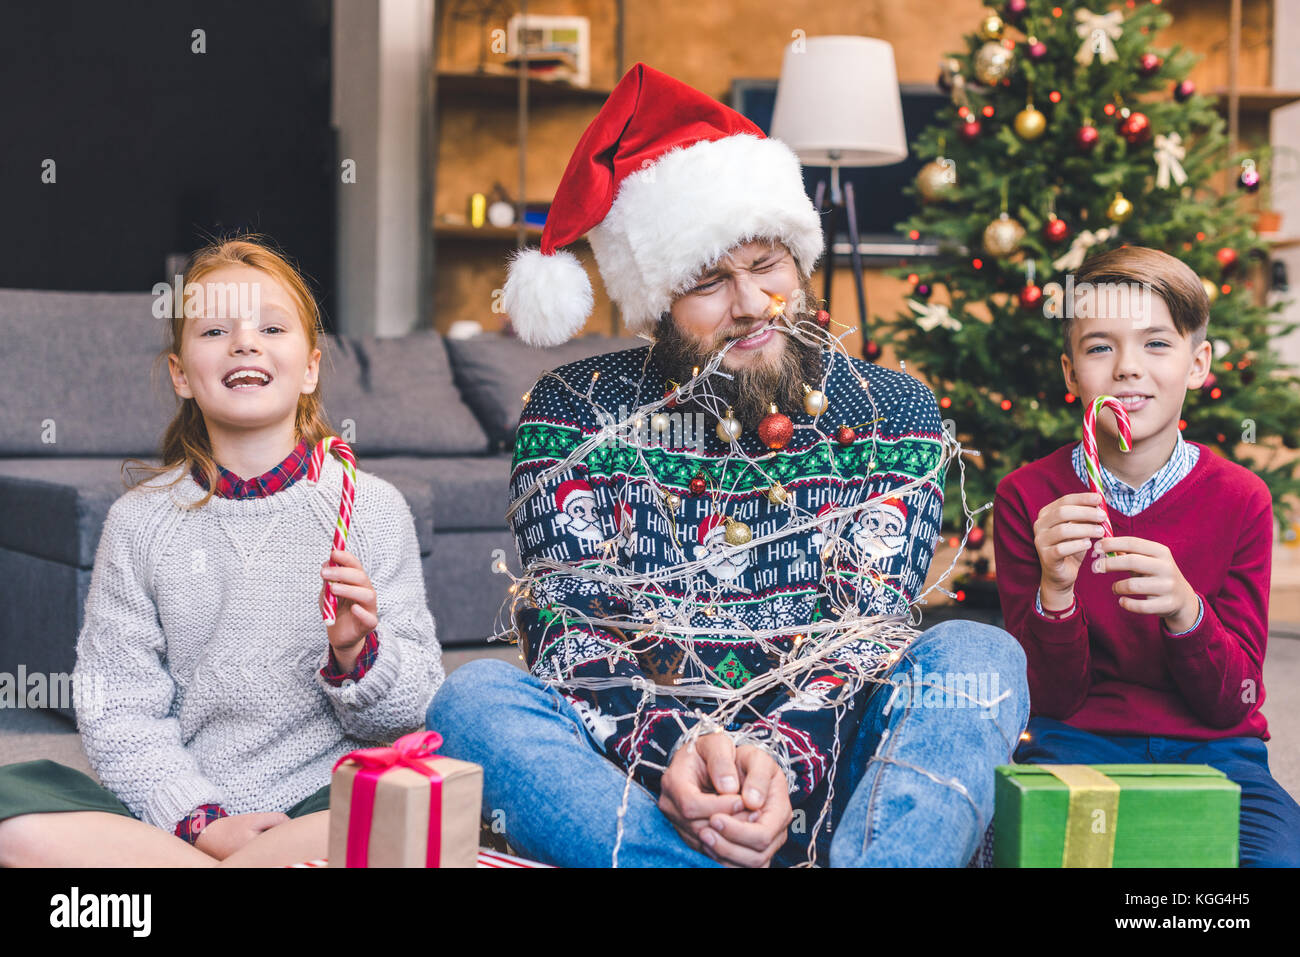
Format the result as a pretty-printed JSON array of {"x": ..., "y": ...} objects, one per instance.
[{"x": 881, "y": 203}]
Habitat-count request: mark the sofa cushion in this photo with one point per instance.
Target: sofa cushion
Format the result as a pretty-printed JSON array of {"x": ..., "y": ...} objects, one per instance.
[
  {"x": 397, "y": 397},
  {"x": 57, "y": 507},
  {"x": 82, "y": 377},
  {"x": 494, "y": 371},
  {"x": 469, "y": 493}
]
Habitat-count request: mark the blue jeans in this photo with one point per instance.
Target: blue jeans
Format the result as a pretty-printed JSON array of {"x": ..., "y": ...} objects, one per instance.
[
  {"x": 913, "y": 786},
  {"x": 1270, "y": 818}
]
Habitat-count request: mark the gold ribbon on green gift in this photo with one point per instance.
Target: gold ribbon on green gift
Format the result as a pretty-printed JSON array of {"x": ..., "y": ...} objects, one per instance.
[{"x": 1090, "y": 820}]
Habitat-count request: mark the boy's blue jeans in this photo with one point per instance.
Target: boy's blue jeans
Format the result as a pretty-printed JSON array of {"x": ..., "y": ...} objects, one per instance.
[
  {"x": 1270, "y": 818},
  {"x": 913, "y": 786}
]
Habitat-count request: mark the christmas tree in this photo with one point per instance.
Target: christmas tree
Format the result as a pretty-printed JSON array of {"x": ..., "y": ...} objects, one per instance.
[{"x": 1070, "y": 133}]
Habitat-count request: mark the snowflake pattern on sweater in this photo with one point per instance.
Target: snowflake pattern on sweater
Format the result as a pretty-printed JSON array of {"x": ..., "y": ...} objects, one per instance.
[{"x": 603, "y": 505}]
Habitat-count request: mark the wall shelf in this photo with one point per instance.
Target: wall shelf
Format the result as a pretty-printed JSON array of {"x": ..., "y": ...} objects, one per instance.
[{"x": 504, "y": 85}]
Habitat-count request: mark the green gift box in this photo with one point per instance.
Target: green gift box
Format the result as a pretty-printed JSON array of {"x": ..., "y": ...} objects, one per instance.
[{"x": 1115, "y": 815}]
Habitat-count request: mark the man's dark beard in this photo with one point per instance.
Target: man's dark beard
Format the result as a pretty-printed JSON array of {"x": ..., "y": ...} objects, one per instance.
[{"x": 751, "y": 390}]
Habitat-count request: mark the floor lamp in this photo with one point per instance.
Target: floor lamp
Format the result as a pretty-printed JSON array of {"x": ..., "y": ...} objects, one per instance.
[{"x": 838, "y": 105}]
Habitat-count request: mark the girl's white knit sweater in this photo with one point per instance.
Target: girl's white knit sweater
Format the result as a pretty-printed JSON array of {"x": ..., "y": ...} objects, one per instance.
[{"x": 198, "y": 663}]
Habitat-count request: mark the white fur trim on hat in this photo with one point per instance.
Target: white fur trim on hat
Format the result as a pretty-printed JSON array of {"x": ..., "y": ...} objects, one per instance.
[
  {"x": 548, "y": 298},
  {"x": 678, "y": 217}
]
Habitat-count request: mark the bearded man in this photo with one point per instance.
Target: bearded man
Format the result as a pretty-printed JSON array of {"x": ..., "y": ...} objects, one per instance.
[{"x": 715, "y": 698}]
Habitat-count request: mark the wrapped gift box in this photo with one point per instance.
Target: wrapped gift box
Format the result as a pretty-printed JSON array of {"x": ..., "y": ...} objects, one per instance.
[
  {"x": 1115, "y": 815},
  {"x": 403, "y": 811}
]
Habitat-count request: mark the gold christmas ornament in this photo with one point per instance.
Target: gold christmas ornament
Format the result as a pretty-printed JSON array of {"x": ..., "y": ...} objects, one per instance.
[
  {"x": 992, "y": 64},
  {"x": 936, "y": 180},
  {"x": 777, "y": 494},
  {"x": 991, "y": 26},
  {"x": 729, "y": 427},
  {"x": 1119, "y": 209},
  {"x": 659, "y": 422},
  {"x": 1211, "y": 289},
  {"x": 1030, "y": 123},
  {"x": 672, "y": 500},
  {"x": 1002, "y": 236},
  {"x": 814, "y": 401},
  {"x": 737, "y": 533}
]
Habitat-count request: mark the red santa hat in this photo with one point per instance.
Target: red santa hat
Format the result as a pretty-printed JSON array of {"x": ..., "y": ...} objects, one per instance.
[
  {"x": 570, "y": 488},
  {"x": 707, "y": 526},
  {"x": 897, "y": 504},
  {"x": 664, "y": 182}
]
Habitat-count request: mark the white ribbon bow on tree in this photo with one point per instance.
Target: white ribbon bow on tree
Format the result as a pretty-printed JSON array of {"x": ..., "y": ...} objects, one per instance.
[
  {"x": 1169, "y": 151},
  {"x": 1073, "y": 259},
  {"x": 932, "y": 315},
  {"x": 1099, "y": 31}
]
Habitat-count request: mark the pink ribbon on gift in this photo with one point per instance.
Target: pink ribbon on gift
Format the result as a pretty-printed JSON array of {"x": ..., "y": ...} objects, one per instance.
[{"x": 405, "y": 752}]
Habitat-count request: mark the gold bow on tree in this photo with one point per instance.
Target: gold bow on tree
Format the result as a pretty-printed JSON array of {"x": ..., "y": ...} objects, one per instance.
[
  {"x": 1169, "y": 151},
  {"x": 1099, "y": 32},
  {"x": 932, "y": 315}
]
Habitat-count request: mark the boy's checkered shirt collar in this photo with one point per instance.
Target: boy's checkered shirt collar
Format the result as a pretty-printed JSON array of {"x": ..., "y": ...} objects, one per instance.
[{"x": 1130, "y": 501}]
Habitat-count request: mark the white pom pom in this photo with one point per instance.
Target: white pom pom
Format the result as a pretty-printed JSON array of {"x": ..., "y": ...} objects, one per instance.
[{"x": 548, "y": 298}]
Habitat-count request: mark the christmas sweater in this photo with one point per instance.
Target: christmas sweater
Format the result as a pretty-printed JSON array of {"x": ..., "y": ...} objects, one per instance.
[{"x": 603, "y": 507}]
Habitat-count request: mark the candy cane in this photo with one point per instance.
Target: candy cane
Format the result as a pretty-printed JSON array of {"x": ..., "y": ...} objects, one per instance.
[
  {"x": 314, "y": 467},
  {"x": 1091, "y": 461}
]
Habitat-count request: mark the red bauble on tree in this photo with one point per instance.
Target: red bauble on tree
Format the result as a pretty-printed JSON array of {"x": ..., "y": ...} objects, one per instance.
[
  {"x": 970, "y": 129},
  {"x": 1015, "y": 10},
  {"x": 1086, "y": 138},
  {"x": 1037, "y": 49},
  {"x": 976, "y": 537},
  {"x": 1227, "y": 257},
  {"x": 776, "y": 429},
  {"x": 1135, "y": 128},
  {"x": 873, "y": 350},
  {"x": 1031, "y": 296},
  {"x": 1055, "y": 230},
  {"x": 1183, "y": 91},
  {"x": 1148, "y": 64}
]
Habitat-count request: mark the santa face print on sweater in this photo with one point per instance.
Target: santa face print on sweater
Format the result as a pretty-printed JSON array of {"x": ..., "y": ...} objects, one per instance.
[
  {"x": 724, "y": 562},
  {"x": 577, "y": 512},
  {"x": 878, "y": 532}
]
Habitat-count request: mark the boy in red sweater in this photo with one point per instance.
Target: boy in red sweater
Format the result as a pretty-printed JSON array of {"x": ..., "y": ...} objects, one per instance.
[{"x": 1153, "y": 653}]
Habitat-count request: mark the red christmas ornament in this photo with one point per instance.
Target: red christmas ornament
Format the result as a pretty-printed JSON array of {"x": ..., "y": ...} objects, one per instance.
[
  {"x": 776, "y": 429},
  {"x": 922, "y": 291},
  {"x": 873, "y": 350},
  {"x": 1209, "y": 381},
  {"x": 1015, "y": 9},
  {"x": 1056, "y": 230},
  {"x": 1149, "y": 63},
  {"x": 1183, "y": 91},
  {"x": 1037, "y": 50},
  {"x": 1031, "y": 296},
  {"x": 1135, "y": 128},
  {"x": 845, "y": 435},
  {"x": 1227, "y": 257},
  {"x": 699, "y": 485},
  {"x": 823, "y": 318},
  {"x": 976, "y": 537},
  {"x": 672, "y": 399},
  {"x": 970, "y": 130},
  {"x": 1086, "y": 138}
]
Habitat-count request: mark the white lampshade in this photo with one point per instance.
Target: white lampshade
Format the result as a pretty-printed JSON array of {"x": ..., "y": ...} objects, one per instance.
[{"x": 840, "y": 93}]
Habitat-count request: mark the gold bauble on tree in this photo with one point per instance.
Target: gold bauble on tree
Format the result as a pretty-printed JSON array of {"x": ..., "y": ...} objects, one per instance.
[
  {"x": 1002, "y": 236},
  {"x": 1030, "y": 123},
  {"x": 1119, "y": 209},
  {"x": 1211, "y": 290},
  {"x": 936, "y": 180},
  {"x": 991, "y": 26},
  {"x": 992, "y": 64}
]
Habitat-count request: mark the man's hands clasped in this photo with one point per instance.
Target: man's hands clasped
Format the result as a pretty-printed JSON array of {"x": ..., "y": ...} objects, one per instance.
[{"x": 727, "y": 802}]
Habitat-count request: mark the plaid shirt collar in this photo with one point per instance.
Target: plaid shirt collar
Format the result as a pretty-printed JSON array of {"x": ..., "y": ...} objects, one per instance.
[
  {"x": 230, "y": 485},
  {"x": 1130, "y": 501}
]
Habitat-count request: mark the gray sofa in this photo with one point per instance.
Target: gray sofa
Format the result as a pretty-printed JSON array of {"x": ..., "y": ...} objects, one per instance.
[{"x": 81, "y": 389}]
